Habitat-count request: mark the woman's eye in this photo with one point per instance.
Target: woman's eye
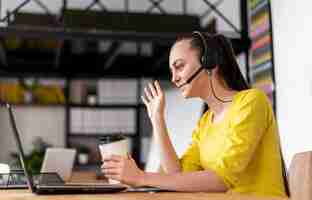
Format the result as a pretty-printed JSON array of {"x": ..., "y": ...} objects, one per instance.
[{"x": 179, "y": 67}]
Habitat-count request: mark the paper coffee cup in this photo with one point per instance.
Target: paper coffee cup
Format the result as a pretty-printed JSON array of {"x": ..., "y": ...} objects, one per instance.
[{"x": 109, "y": 147}]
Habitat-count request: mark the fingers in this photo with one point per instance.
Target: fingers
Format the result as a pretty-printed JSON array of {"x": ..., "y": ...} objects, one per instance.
[
  {"x": 144, "y": 100},
  {"x": 152, "y": 89},
  {"x": 109, "y": 165},
  {"x": 110, "y": 168},
  {"x": 114, "y": 158},
  {"x": 112, "y": 171},
  {"x": 128, "y": 156},
  {"x": 148, "y": 94},
  {"x": 113, "y": 176},
  {"x": 158, "y": 88}
]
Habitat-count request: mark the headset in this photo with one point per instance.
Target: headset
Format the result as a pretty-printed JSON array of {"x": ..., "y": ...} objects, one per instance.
[{"x": 210, "y": 58}]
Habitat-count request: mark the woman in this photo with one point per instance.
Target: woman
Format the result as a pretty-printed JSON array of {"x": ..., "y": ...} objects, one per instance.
[{"x": 235, "y": 145}]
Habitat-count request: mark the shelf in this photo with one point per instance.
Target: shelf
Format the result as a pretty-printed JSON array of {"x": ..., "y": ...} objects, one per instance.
[
  {"x": 111, "y": 106},
  {"x": 28, "y": 31},
  {"x": 36, "y": 105},
  {"x": 99, "y": 135}
]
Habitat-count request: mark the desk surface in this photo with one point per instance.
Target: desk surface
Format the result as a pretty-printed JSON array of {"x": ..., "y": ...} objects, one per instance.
[
  {"x": 90, "y": 177},
  {"x": 26, "y": 195}
]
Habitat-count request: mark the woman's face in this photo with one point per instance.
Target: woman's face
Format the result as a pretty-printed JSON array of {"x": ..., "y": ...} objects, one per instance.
[{"x": 184, "y": 63}]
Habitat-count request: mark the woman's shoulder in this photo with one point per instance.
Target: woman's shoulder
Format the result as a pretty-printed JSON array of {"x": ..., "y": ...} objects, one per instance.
[
  {"x": 251, "y": 95},
  {"x": 205, "y": 117}
]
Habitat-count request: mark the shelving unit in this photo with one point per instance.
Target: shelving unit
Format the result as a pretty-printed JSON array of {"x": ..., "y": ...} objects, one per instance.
[
  {"x": 115, "y": 110},
  {"x": 87, "y": 122},
  {"x": 261, "y": 71}
]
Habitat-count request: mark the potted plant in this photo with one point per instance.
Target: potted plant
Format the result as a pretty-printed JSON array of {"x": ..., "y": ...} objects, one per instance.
[
  {"x": 83, "y": 154},
  {"x": 34, "y": 159}
]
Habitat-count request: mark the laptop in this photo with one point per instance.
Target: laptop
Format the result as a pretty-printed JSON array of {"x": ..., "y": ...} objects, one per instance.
[
  {"x": 60, "y": 161},
  {"x": 51, "y": 183}
]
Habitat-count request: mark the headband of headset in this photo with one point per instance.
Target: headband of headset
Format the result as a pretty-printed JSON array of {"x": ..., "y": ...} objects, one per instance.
[{"x": 210, "y": 57}]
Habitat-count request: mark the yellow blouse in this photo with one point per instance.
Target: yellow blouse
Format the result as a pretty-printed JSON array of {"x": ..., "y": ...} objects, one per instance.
[{"x": 243, "y": 149}]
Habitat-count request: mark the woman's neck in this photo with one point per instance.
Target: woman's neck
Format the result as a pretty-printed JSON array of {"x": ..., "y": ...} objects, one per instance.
[{"x": 221, "y": 91}]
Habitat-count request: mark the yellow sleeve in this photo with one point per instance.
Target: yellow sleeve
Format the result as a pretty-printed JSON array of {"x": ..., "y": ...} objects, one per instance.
[
  {"x": 248, "y": 124},
  {"x": 190, "y": 161}
]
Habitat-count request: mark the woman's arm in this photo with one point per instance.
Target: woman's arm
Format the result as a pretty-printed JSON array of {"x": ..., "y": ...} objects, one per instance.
[
  {"x": 154, "y": 101},
  {"x": 198, "y": 181},
  {"x": 168, "y": 157},
  {"x": 125, "y": 170}
]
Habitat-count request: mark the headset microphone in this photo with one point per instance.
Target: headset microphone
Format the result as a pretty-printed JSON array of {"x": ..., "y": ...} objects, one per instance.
[{"x": 192, "y": 77}]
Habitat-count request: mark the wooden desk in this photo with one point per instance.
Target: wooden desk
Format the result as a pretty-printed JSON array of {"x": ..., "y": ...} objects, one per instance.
[
  {"x": 89, "y": 176},
  {"x": 26, "y": 195}
]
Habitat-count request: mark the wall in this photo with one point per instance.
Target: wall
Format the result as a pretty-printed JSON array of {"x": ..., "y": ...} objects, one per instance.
[{"x": 292, "y": 32}]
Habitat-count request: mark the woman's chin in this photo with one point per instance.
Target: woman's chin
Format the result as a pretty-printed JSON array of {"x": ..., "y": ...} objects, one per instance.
[{"x": 186, "y": 94}]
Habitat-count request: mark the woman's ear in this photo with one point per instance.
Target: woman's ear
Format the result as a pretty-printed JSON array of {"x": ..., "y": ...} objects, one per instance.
[{"x": 213, "y": 72}]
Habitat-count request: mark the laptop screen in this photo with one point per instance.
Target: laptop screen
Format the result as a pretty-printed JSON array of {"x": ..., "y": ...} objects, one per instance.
[{"x": 20, "y": 148}]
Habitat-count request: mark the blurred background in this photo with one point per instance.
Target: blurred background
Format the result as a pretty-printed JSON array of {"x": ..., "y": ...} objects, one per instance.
[{"x": 74, "y": 70}]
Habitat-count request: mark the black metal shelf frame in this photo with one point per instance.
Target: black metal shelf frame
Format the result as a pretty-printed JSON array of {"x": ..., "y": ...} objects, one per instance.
[
  {"x": 131, "y": 135},
  {"x": 111, "y": 106},
  {"x": 63, "y": 32}
]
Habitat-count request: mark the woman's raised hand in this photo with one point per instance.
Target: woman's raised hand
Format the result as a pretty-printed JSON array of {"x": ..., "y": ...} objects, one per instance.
[{"x": 154, "y": 101}]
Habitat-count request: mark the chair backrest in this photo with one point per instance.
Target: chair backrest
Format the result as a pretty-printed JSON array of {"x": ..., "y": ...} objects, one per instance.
[{"x": 300, "y": 176}]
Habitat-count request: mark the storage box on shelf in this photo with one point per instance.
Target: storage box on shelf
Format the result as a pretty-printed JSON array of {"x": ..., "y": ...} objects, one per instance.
[{"x": 32, "y": 91}]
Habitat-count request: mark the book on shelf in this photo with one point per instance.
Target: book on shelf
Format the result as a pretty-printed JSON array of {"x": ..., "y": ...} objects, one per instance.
[
  {"x": 258, "y": 5},
  {"x": 261, "y": 59},
  {"x": 264, "y": 77},
  {"x": 262, "y": 68},
  {"x": 256, "y": 53},
  {"x": 260, "y": 31},
  {"x": 78, "y": 91},
  {"x": 260, "y": 42},
  {"x": 260, "y": 21}
]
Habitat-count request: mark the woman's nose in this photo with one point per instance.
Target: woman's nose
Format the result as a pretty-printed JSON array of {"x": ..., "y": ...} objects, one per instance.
[{"x": 174, "y": 78}]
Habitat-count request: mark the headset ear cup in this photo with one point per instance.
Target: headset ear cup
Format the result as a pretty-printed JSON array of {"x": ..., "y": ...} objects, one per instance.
[
  {"x": 203, "y": 61},
  {"x": 211, "y": 51},
  {"x": 209, "y": 58}
]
